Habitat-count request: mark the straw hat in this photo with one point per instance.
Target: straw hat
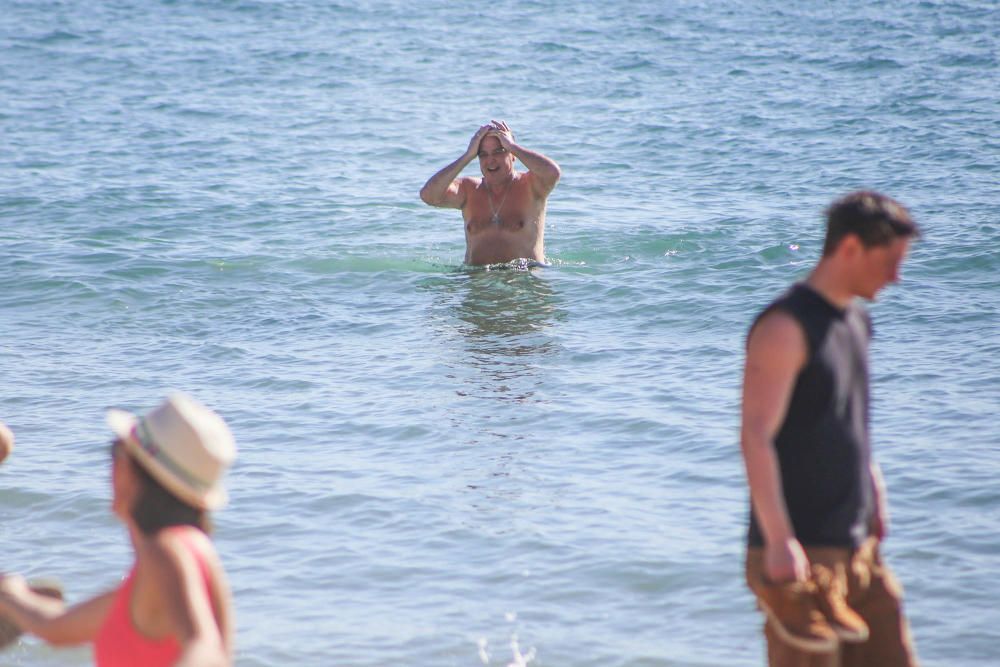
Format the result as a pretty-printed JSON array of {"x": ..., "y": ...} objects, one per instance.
[{"x": 185, "y": 446}]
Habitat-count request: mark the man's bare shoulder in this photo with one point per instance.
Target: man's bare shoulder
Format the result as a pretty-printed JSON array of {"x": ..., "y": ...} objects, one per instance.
[
  {"x": 469, "y": 183},
  {"x": 539, "y": 188},
  {"x": 777, "y": 335},
  {"x": 468, "y": 186}
]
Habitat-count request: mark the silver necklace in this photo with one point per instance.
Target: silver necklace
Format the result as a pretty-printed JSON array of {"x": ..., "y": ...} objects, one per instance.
[{"x": 496, "y": 211}]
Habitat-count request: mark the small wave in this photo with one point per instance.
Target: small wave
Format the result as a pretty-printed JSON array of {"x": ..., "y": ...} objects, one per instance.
[
  {"x": 15, "y": 202},
  {"x": 632, "y": 64},
  {"x": 869, "y": 64},
  {"x": 57, "y": 36},
  {"x": 520, "y": 264},
  {"x": 551, "y": 47},
  {"x": 364, "y": 264},
  {"x": 968, "y": 60}
]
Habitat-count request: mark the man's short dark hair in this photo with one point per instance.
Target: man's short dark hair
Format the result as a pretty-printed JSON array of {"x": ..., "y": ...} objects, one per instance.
[{"x": 871, "y": 216}]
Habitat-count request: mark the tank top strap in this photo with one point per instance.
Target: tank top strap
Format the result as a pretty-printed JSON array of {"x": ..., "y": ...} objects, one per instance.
[{"x": 188, "y": 536}]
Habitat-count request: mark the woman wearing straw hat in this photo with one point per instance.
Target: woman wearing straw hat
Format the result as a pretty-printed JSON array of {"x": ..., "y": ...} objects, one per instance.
[{"x": 174, "y": 607}]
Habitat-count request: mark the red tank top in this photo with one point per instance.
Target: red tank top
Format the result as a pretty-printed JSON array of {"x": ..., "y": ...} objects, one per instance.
[{"x": 119, "y": 644}]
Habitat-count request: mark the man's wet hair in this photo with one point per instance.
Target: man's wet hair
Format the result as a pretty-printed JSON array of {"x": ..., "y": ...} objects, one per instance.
[{"x": 871, "y": 216}]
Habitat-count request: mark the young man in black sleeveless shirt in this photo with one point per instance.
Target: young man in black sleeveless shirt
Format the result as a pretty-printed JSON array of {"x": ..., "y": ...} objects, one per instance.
[{"x": 817, "y": 498}]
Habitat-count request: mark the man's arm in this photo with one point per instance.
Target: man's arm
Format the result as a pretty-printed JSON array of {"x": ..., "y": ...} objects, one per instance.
[
  {"x": 444, "y": 189},
  {"x": 776, "y": 351},
  {"x": 6, "y": 441},
  {"x": 545, "y": 172},
  {"x": 880, "y": 520}
]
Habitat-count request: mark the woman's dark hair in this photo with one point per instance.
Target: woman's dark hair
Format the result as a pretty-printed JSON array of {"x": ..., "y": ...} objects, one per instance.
[
  {"x": 871, "y": 216},
  {"x": 156, "y": 508}
]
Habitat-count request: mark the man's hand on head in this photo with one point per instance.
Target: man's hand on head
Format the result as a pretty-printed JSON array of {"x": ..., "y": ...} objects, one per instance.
[
  {"x": 473, "y": 149},
  {"x": 501, "y": 131}
]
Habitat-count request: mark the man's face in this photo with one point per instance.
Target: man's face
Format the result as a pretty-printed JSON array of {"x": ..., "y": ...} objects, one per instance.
[
  {"x": 879, "y": 265},
  {"x": 494, "y": 159}
]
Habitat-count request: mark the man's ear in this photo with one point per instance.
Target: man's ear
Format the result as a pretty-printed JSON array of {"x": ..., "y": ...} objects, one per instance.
[{"x": 850, "y": 247}]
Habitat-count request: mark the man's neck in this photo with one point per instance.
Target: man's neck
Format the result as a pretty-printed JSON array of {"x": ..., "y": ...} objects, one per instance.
[
  {"x": 500, "y": 183},
  {"x": 827, "y": 281}
]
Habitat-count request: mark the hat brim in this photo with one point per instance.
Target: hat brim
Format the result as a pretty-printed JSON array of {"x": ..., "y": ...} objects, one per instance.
[{"x": 123, "y": 424}]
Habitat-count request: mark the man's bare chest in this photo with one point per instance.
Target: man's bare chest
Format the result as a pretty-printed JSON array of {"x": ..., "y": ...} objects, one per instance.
[{"x": 516, "y": 213}]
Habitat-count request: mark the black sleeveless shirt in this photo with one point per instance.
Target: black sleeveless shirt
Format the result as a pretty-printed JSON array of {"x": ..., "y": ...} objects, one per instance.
[{"x": 822, "y": 446}]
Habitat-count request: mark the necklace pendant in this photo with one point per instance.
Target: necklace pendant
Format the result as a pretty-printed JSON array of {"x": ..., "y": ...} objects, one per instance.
[{"x": 496, "y": 218}]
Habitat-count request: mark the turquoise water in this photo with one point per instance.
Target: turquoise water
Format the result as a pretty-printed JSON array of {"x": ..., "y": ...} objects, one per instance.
[{"x": 221, "y": 196}]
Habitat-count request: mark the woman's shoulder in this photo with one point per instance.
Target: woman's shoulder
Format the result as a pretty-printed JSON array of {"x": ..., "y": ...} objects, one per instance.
[{"x": 181, "y": 548}]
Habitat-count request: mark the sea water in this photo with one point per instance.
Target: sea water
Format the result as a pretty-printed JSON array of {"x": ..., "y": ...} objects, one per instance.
[{"x": 445, "y": 466}]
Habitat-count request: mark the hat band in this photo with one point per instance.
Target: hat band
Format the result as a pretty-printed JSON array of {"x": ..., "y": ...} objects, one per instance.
[{"x": 145, "y": 440}]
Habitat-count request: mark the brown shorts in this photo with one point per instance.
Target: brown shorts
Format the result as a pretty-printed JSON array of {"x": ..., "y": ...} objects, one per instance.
[{"x": 872, "y": 591}]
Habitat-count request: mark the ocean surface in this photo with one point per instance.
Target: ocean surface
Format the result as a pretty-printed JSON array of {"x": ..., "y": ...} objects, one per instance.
[{"x": 446, "y": 466}]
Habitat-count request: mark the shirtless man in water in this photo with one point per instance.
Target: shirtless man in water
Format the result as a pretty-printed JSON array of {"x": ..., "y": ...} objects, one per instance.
[{"x": 504, "y": 211}]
